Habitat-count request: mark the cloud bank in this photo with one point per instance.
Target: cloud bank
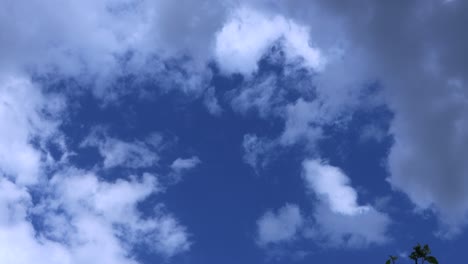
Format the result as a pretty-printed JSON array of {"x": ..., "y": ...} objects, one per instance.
[{"x": 414, "y": 51}]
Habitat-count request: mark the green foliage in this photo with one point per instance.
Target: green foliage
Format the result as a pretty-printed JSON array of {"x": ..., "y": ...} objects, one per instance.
[
  {"x": 391, "y": 259},
  {"x": 420, "y": 255}
]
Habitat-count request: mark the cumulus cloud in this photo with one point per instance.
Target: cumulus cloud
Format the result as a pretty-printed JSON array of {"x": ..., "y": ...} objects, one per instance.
[
  {"x": 338, "y": 218},
  {"x": 106, "y": 212},
  {"x": 248, "y": 35},
  {"x": 75, "y": 215},
  {"x": 331, "y": 229},
  {"x": 333, "y": 186},
  {"x": 280, "y": 226},
  {"x": 62, "y": 41},
  {"x": 97, "y": 42},
  {"x": 84, "y": 219},
  {"x": 26, "y": 115}
]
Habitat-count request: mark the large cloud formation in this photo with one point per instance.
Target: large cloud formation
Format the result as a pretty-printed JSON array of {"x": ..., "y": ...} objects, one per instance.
[
  {"x": 417, "y": 47},
  {"x": 53, "y": 212},
  {"x": 414, "y": 50}
]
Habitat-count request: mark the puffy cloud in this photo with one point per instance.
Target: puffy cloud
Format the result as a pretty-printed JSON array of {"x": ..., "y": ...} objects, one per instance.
[
  {"x": 97, "y": 42},
  {"x": 106, "y": 213},
  {"x": 331, "y": 229},
  {"x": 333, "y": 186},
  {"x": 84, "y": 219},
  {"x": 423, "y": 73},
  {"x": 75, "y": 216},
  {"x": 338, "y": 218},
  {"x": 248, "y": 35},
  {"x": 27, "y": 117},
  {"x": 170, "y": 237},
  {"x": 278, "y": 227},
  {"x": 63, "y": 41},
  {"x": 12, "y": 202},
  {"x": 181, "y": 165}
]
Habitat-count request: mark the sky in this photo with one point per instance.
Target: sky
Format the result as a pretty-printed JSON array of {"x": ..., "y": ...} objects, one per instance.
[{"x": 232, "y": 131}]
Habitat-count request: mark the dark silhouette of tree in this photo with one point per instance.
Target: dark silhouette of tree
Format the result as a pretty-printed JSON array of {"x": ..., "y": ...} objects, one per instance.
[{"x": 420, "y": 255}]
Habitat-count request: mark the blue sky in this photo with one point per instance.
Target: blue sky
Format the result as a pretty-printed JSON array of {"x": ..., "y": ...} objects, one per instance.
[{"x": 139, "y": 132}]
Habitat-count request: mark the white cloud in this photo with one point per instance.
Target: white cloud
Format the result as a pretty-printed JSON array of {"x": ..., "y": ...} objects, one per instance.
[
  {"x": 423, "y": 79},
  {"x": 85, "y": 220},
  {"x": 332, "y": 186},
  {"x": 171, "y": 238},
  {"x": 118, "y": 153},
  {"x": 423, "y": 74},
  {"x": 90, "y": 41},
  {"x": 181, "y": 164},
  {"x": 360, "y": 230},
  {"x": 24, "y": 112},
  {"x": 281, "y": 226},
  {"x": 106, "y": 212},
  {"x": 83, "y": 36},
  {"x": 86, "y": 233},
  {"x": 75, "y": 216},
  {"x": 248, "y": 35},
  {"x": 338, "y": 218}
]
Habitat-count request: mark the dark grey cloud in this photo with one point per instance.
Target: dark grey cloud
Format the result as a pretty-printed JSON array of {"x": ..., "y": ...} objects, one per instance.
[{"x": 417, "y": 52}]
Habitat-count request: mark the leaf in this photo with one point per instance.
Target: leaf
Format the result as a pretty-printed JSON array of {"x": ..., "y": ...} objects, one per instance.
[
  {"x": 388, "y": 262},
  {"x": 432, "y": 260},
  {"x": 418, "y": 250},
  {"x": 426, "y": 249}
]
